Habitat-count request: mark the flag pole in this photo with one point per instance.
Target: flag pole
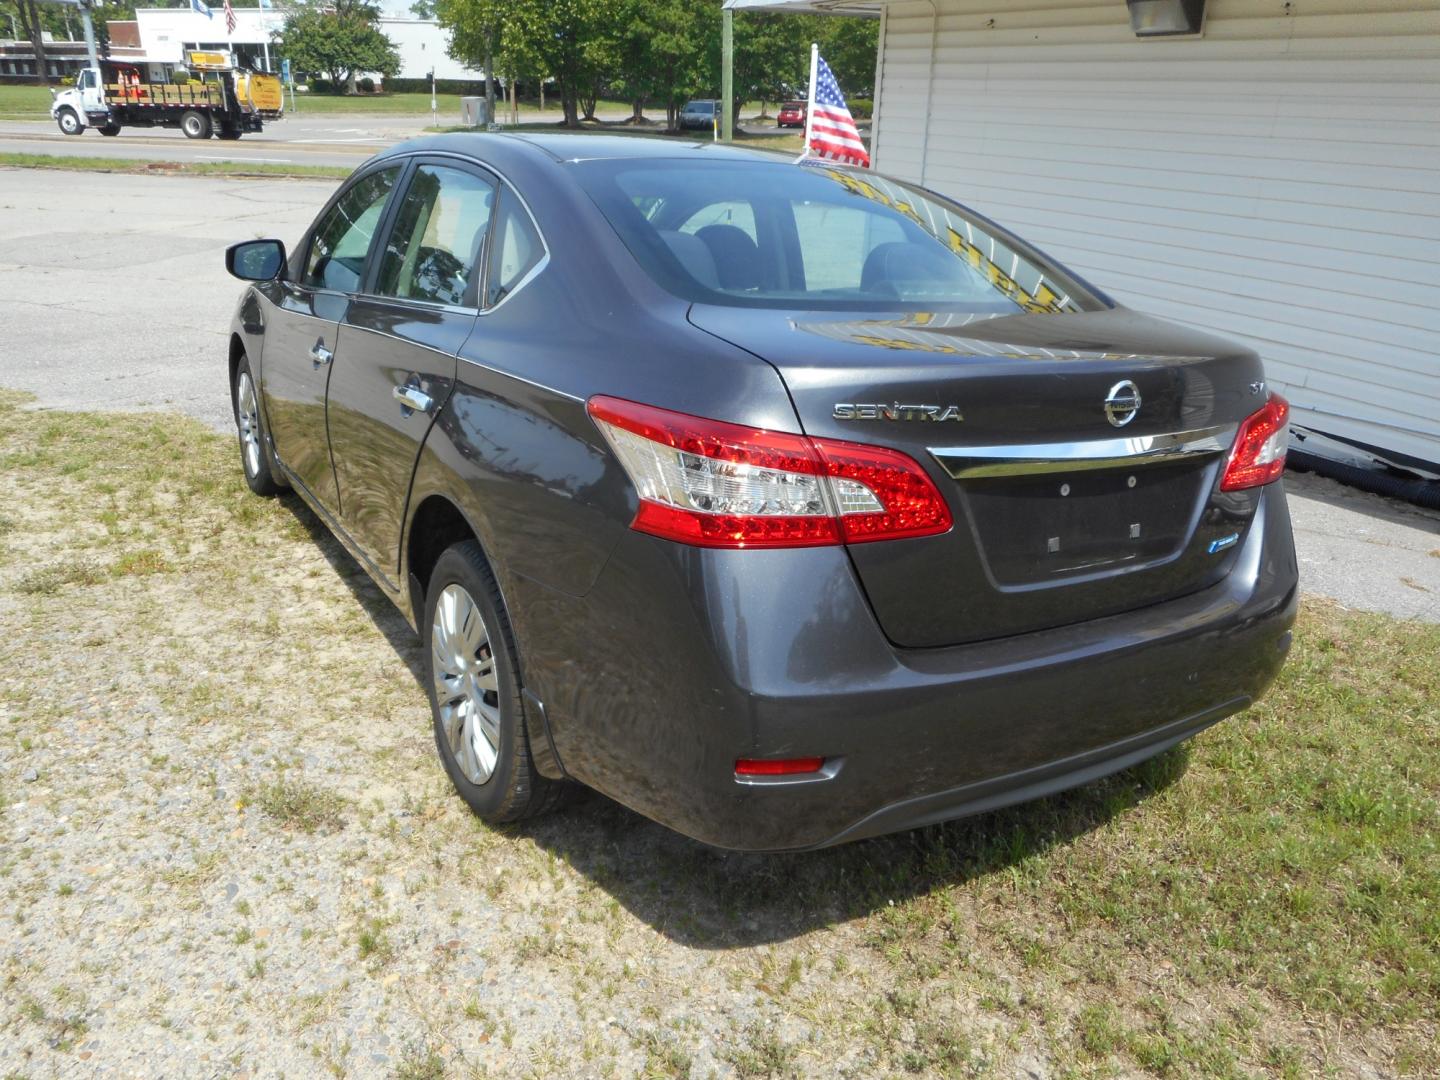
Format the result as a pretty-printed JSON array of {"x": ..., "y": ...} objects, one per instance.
[{"x": 810, "y": 101}]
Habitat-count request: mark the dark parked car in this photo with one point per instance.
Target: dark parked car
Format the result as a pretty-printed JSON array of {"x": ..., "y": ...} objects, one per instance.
[
  {"x": 792, "y": 114},
  {"x": 698, "y": 114},
  {"x": 786, "y": 505}
]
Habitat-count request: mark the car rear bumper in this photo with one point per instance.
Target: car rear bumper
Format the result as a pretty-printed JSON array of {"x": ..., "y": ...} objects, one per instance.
[{"x": 684, "y": 660}]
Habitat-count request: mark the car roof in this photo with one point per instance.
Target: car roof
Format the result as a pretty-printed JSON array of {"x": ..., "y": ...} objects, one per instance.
[
  {"x": 590, "y": 147},
  {"x": 561, "y": 146}
]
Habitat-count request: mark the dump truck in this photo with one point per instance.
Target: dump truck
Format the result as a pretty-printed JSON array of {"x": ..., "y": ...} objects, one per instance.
[{"x": 218, "y": 99}]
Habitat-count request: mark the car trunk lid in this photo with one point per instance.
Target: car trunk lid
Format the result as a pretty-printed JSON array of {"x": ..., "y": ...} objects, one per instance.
[{"x": 1066, "y": 508}]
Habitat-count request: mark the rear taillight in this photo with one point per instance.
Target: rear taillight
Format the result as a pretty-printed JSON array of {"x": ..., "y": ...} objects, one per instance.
[
  {"x": 799, "y": 766},
  {"x": 715, "y": 484},
  {"x": 1258, "y": 456}
]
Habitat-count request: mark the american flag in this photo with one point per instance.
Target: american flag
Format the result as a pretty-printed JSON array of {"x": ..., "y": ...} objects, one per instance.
[
  {"x": 229, "y": 18},
  {"x": 832, "y": 131}
]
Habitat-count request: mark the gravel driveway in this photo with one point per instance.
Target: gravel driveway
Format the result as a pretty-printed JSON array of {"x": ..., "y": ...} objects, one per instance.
[{"x": 226, "y": 848}]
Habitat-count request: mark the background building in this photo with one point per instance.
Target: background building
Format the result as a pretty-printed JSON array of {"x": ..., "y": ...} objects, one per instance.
[
  {"x": 1275, "y": 177},
  {"x": 158, "y": 38},
  {"x": 423, "y": 45},
  {"x": 165, "y": 34}
]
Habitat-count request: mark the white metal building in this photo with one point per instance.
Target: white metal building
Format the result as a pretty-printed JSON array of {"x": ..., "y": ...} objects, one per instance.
[
  {"x": 422, "y": 45},
  {"x": 1275, "y": 178},
  {"x": 166, "y": 32}
]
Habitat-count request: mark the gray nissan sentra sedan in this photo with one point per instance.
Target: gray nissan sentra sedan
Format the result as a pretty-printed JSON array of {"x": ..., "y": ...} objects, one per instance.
[{"x": 787, "y": 505}]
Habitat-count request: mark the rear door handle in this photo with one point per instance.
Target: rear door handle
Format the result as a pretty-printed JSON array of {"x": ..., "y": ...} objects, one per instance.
[
  {"x": 320, "y": 354},
  {"x": 412, "y": 397}
]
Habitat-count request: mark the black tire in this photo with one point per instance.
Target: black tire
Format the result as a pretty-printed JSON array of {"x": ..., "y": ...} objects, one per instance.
[
  {"x": 515, "y": 789},
  {"x": 228, "y": 133},
  {"x": 195, "y": 125},
  {"x": 110, "y": 129},
  {"x": 69, "y": 121},
  {"x": 255, "y": 460}
]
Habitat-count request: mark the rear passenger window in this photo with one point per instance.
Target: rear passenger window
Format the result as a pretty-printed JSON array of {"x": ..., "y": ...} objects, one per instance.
[
  {"x": 435, "y": 243},
  {"x": 341, "y": 241},
  {"x": 737, "y": 215},
  {"x": 836, "y": 243},
  {"x": 514, "y": 252}
]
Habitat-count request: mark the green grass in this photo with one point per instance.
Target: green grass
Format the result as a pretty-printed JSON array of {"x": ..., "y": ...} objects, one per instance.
[
  {"x": 1289, "y": 857},
  {"x": 197, "y": 168},
  {"x": 1262, "y": 901},
  {"x": 299, "y": 805},
  {"x": 24, "y": 103}
]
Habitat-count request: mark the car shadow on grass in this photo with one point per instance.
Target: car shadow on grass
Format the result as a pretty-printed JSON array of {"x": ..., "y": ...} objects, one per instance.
[
  {"x": 706, "y": 898},
  {"x": 385, "y": 615}
]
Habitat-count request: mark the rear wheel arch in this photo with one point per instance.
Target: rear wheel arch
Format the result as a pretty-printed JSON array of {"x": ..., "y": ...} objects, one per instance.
[
  {"x": 436, "y": 524},
  {"x": 237, "y": 353}
]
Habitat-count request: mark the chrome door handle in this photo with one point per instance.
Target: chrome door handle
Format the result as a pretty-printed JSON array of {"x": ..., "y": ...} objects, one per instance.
[
  {"x": 412, "y": 397},
  {"x": 320, "y": 354}
]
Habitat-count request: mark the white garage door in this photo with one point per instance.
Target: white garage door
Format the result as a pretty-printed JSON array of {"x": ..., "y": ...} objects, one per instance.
[{"x": 1276, "y": 180}]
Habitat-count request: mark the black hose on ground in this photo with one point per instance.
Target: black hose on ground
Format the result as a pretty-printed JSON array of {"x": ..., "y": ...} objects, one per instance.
[{"x": 1378, "y": 481}]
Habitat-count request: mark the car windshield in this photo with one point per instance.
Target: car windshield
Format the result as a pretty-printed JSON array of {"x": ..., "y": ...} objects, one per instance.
[{"x": 779, "y": 235}]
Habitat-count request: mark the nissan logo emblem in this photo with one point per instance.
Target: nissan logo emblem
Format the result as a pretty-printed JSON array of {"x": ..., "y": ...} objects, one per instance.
[{"x": 1122, "y": 403}]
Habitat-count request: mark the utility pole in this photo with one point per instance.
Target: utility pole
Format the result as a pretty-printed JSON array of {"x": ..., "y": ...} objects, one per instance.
[{"x": 727, "y": 75}]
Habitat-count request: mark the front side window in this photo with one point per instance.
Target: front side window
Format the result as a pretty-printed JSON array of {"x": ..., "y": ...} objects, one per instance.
[
  {"x": 434, "y": 246},
  {"x": 780, "y": 235},
  {"x": 342, "y": 239}
]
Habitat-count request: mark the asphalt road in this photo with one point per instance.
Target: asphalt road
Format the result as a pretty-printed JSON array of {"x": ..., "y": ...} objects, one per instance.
[
  {"x": 113, "y": 291},
  {"x": 296, "y": 140},
  {"x": 113, "y": 295}
]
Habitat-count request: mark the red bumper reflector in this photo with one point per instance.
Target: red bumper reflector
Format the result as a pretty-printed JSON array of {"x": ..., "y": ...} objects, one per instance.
[{"x": 778, "y": 766}]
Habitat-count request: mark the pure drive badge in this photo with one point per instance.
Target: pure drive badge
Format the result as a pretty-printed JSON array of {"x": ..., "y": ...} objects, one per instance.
[{"x": 896, "y": 411}]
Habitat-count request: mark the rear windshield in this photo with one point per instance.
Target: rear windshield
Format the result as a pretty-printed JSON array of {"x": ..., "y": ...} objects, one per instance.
[{"x": 780, "y": 235}]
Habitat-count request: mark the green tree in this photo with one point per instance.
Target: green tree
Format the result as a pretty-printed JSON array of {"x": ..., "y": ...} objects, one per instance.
[
  {"x": 661, "y": 54},
  {"x": 338, "y": 38},
  {"x": 474, "y": 34},
  {"x": 571, "y": 41},
  {"x": 849, "y": 46},
  {"x": 772, "y": 54},
  {"x": 32, "y": 20}
]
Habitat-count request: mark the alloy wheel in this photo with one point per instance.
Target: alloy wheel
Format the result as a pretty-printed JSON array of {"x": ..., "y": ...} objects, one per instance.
[
  {"x": 247, "y": 418},
  {"x": 467, "y": 689}
]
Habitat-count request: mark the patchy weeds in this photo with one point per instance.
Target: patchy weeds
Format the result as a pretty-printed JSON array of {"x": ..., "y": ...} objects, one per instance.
[{"x": 216, "y": 759}]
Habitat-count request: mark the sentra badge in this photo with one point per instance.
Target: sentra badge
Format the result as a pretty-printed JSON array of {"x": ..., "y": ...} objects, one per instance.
[{"x": 896, "y": 411}]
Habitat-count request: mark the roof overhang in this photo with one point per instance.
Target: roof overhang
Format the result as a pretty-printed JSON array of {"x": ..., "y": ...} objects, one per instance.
[{"x": 863, "y": 9}]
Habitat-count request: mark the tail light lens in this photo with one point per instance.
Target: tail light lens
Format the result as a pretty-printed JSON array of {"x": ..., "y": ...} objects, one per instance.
[
  {"x": 714, "y": 484},
  {"x": 1258, "y": 456},
  {"x": 799, "y": 766}
]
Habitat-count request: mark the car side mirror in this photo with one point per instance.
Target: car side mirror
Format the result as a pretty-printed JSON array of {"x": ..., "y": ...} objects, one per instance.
[{"x": 255, "y": 260}]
